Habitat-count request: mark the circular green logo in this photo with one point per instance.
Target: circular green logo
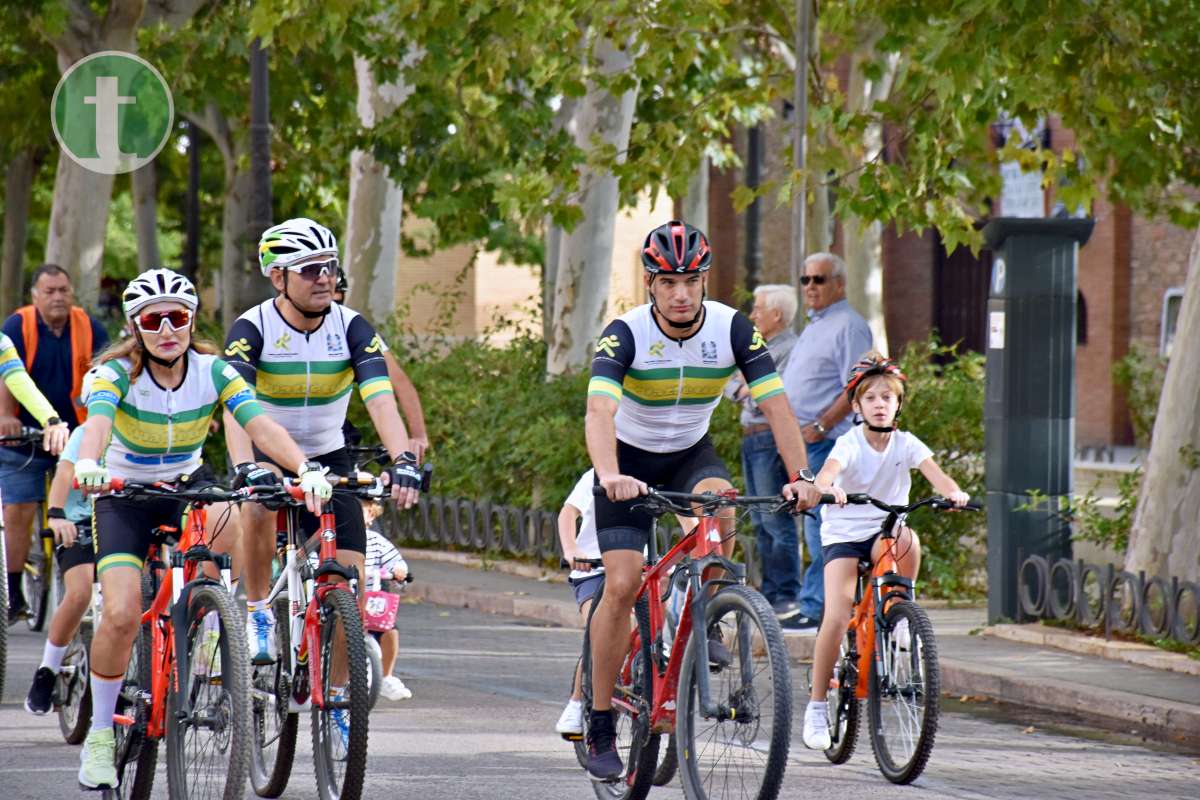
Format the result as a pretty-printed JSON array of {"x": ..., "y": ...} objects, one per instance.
[{"x": 112, "y": 112}]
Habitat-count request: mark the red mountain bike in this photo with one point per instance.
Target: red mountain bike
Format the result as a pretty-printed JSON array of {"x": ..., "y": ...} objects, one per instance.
[
  {"x": 732, "y": 721},
  {"x": 188, "y": 676}
]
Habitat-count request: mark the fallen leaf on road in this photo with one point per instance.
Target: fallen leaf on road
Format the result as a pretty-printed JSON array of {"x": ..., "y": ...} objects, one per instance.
[{"x": 1030, "y": 729}]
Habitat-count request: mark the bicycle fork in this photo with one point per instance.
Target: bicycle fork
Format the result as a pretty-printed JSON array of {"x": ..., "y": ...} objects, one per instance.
[{"x": 698, "y": 609}]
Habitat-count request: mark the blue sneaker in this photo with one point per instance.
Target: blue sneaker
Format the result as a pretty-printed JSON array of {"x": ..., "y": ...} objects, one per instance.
[
  {"x": 341, "y": 719},
  {"x": 260, "y": 633}
]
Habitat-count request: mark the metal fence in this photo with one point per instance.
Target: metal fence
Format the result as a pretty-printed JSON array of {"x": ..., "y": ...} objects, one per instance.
[{"x": 1106, "y": 596}]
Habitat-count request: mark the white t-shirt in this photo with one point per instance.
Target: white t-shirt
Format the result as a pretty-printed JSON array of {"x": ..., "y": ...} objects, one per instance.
[
  {"x": 883, "y": 475},
  {"x": 581, "y": 498}
]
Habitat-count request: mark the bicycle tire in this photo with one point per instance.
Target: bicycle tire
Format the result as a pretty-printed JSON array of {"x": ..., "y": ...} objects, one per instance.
[
  {"x": 923, "y": 653},
  {"x": 585, "y": 678},
  {"x": 270, "y": 770},
  {"x": 74, "y": 694},
  {"x": 668, "y": 762},
  {"x": 136, "y": 753},
  {"x": 341, "y": 604},
  {"x": 208, "y": 752},
  {"x": 3, "y": 606},
  {"x": 374, "y": 670},
  {"x": 752, "y": 606},
  {"x": 845, "y": 709},
  {"x": 35, "y": 583}
]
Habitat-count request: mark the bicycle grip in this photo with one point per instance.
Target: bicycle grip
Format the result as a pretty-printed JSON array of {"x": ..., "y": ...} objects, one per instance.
[{"x": 599, "y": 491}]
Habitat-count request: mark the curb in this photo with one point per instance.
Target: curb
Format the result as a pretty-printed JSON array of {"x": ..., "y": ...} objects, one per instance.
[
  {"x": 1130, "y": 652},
  {"x": 1167, "y": 719}
]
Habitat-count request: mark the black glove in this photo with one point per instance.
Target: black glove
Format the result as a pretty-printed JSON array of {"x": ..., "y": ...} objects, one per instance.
[
  {"x": 405, "y": 472},
  {"x": 251, "y": 474}
]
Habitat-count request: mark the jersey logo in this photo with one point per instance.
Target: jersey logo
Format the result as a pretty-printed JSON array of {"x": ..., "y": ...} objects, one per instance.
[
  {"x": 708, "y": 351},
  {"x": 375, "y": 346},
  {"x": 283, "y": 341},
  {"x": 238, "y": 349},
  {"x": 656, "y": 349},
  {"x": 333, "y": 343},
  {"x": 757, "y": 342},
  {"x": 608, "y": 345}
]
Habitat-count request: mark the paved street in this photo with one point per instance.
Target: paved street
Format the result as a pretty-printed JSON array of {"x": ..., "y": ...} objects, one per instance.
[{"x": 488, "y": 690}]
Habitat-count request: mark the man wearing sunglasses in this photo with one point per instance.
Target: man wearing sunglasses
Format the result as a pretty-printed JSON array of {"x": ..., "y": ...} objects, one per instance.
[
  {"x": 814, "y": 377},
  {"x": 304, "y": 353}
]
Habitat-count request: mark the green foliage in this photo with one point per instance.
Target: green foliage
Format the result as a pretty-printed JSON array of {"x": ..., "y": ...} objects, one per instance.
[
  {"x": 1107, "y": 528},
  {"x": 944, "y": 409},
  {"x": 1139, "y": 375}
]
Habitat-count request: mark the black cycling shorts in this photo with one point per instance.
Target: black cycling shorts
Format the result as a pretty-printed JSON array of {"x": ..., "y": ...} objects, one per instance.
[
  {"x": 123, "y": 527},
  {"x": 81, "y": 552},
  {"x": 619, "y": 526},
  {"x": 351, "y": 528}
]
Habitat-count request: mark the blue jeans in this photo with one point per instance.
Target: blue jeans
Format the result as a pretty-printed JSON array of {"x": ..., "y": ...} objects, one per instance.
[
  {"x": 812, "y": 592},
  {"x": 777, "y": 542}
]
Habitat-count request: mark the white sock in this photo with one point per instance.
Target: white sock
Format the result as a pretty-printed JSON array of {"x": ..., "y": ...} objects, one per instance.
[
  {"x": 105, "y": 692},
  {"x": 52, "y": 656},
  {"x": 258, "y": 605},
  {"x": 573, "y": 703}
]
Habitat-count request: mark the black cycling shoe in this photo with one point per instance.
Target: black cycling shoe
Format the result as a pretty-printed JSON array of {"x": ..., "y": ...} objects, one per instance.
[
  {"x": 41, "y": 693},
  {"x": 719, "y": 656},
  {"x": 603, "y": 763},
  {"x": 18, "y": 612}
]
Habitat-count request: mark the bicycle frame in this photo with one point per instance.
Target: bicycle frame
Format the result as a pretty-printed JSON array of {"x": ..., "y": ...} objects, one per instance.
[
  {"x": 886, "y": 585},
  {"x": 698, "y": 553},
  {"x": 167, "y": 616},
  {"x": 298, "y": 578}
]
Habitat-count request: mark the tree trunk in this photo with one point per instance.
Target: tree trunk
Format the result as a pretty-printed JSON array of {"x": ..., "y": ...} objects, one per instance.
[
  {"x": 1165, "y": 539},
  {"x": 240, "y": 289},
  {"x": 78, "y": 223},
  {"x": 18, "y": 187},
  {"x": 695, "y": 202},
  {"x": 864, "y": 240},
  {"x": 145, "y": 216},
  {"x": 564, "y": 118},
  {"x": 585, "y": 257},
  {"x": 376, "y": 206}
]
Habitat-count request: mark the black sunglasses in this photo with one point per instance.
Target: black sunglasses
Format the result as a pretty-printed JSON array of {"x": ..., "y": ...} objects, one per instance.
[{"x": 805, "y": 280}]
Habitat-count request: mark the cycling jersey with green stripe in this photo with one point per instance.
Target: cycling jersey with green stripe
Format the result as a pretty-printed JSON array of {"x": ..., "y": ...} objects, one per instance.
[
  {"x": 303, "y": 378},
  {"x": 158, "y": 433},
  {"x": 12, "y": 372},
  {"x": 666, "y": 387}
]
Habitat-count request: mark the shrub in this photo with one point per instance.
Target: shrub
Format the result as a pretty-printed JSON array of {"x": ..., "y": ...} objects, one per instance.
[{"x": 1139, "y": 375}]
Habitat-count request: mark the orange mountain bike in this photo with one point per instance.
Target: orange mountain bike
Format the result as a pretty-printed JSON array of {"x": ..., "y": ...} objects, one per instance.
[
  {"x": 889, "y": 658},
  {"x": 188, "y": 675},
  {"x": 732, "y": 717}
]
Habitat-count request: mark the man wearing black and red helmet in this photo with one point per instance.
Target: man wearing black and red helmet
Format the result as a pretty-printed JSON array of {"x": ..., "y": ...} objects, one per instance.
[{"x": 657, "y": 375}]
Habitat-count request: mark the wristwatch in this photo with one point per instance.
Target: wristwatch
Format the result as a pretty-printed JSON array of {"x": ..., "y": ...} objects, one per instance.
[
  {"x": 820, "y": 428},
  {"x": 309, "y": 466},
  {"x": 802, "y": 475}
]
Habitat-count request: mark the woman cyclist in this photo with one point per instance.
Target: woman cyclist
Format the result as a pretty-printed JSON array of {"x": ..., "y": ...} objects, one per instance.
[{"x": 154, "y": 394}]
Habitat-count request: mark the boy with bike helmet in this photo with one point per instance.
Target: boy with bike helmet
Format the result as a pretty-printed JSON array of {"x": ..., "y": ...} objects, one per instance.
[
  {"x": 872, "y": 458},
  {"x": 149, "y": 411}
]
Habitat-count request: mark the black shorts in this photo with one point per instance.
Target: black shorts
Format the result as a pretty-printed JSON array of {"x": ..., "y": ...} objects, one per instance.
[
  {"x": 351, "y": 528},
  {"x": 619, "y": 526},
  {"x": 860, "y": 549},
  {"x": 83, "y": 551},
  {"x": 123, "y": 527}
]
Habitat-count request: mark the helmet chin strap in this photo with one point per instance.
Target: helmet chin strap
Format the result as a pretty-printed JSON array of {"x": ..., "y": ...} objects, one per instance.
[
  {"x": 683, "y": 326},
  {"x": 303, "y": 313},
  {"x": 162, "y": 362},
  {"x": 878, "y": 429}
]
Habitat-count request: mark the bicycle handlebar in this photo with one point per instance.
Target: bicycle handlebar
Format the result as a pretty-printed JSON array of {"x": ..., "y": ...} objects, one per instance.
[
  {"x": 288, "y": 492},
  {"x": 591, "y": 562},
  {"x": 28, "y": 435},
  {"x": 682, "y": 502},
  {"x": 935, "y": 501}
]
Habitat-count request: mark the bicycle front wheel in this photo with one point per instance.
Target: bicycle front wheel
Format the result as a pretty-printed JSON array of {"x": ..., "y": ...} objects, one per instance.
[
  {"x": 273, "y": 729},
  {"x": 73, "y": 687},
  {"x": 339, "y": 723},
  {"x": 375, "y": 674},
  {"x": 208, "y": 719},
  {"x": 35, "y": 582},
  {"x": 904, "y": 692},
  {"x": 137, "y": 753},
  {"x": 741, "y": 751},
  {"x": 844, "y": 707}
]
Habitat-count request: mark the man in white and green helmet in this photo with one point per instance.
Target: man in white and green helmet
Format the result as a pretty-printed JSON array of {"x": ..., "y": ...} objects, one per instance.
[{"x": 304, "y": 353}]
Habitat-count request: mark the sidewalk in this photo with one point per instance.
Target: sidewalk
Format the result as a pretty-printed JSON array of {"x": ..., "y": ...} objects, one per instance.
[{"x": 1162, "y": 703}]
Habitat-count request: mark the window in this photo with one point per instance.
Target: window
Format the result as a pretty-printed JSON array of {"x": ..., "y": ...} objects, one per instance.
[
  {"x": 1081, "y": 321},
  {"x": 1172, "y": 301}
]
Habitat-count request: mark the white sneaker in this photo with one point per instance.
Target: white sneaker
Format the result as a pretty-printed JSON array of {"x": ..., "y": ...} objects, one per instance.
[
  {"x": 96, "y": 760},
  {"x": 392, "y": 688},
  {"x": 816, "y": 725},
  {"x": 901, "y": 635},
  {"x": 571, "y": 720}
]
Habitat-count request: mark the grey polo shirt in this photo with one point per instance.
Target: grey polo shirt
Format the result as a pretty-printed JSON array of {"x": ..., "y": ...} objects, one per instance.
[
  {"x": 830, "y": 344},
  {"x": 780, "y": 347}
]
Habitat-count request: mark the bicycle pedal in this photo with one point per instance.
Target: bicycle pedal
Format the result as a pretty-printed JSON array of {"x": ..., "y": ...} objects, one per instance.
[{"x": 572, "y": 737}]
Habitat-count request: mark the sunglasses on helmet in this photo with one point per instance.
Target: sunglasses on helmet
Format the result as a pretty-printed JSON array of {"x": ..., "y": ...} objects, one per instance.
[
  {"x": 153, "y": 321},
  {"x": 313, "y": 272}
]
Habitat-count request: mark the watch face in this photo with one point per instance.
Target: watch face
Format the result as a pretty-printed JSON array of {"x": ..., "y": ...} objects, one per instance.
[{"x": 806, "y": 475}]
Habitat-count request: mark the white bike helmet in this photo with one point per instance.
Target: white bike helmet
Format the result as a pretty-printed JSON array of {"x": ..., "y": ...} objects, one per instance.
[
  {"x": 291, "y": 241},
  {"x": 156, "y": 286}
]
